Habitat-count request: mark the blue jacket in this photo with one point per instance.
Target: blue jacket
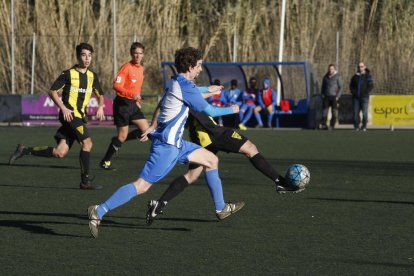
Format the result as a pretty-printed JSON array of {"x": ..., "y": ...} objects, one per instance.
[
  {"x": 361, "y": 85},
  {"x": 229, "y": 97}
]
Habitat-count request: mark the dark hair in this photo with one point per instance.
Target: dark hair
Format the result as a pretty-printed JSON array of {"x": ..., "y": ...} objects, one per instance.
[
  {"x": 217, "y": 82},
  {"x": 135, "y": 46},
  {"x": 186, "y": 57},
  {"x": 233, "y": 82},
  {"x": 331, "y": 65},
  {"x": 83, "y": 46}
]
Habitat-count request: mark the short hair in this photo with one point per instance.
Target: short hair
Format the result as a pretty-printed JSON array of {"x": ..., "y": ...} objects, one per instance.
[
  {"x": 135, "y": 46},
  {"x": 217, "y": 82},
  {"x": 233, "y": 82},
  {"x": 331, "y": 65},
  {"x": 186, "y": 57},
  {"x": 83, "y": 46}
]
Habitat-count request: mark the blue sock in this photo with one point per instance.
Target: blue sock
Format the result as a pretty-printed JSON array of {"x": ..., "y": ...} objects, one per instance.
[
  {"x": 258, "y": 118},
  {"x": 247, "y": 115},
  {"x": 120, "y": 197},
  {"x": 216, "y": 190},
  {"x": 269, "y": 119}
]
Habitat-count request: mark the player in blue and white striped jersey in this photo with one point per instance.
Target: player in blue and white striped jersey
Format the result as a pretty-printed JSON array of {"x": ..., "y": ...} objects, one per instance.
[{"x": 168, "y": 147}]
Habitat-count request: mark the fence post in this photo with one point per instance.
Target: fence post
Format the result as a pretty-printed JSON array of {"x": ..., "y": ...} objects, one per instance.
[
  {"x": 33, "y": 64},
  {"x": 13, "y": 77}
]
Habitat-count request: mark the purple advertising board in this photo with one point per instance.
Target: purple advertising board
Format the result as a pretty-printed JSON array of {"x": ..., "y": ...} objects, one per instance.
[{"x": 41, "y": 109}]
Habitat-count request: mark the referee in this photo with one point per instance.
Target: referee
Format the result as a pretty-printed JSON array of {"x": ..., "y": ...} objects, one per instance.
[
  {"x": 77, "y": 85},
  {"x": 127, "y": 104}
]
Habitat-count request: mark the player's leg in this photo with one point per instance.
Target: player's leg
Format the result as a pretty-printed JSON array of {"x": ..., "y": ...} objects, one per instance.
[
  {"x": 262, "y": 165},
  {"x": 45, "y": 151},
  {"x": 210, "y": 161},
  {"x": 121, "y": 110},
  {"x": 248, "y": 114},
  {"x": 176, "y": 187},
  {"x": 270, "y": 112},
  {"x": 121, "y": 196},
  {"x": 258, "y": 116},
  {"x": 113, "y": 147},
  {"x": 142, "y": 125},
  {"x": 160, "y": 162},
  {"x": 79, "y": 132}
]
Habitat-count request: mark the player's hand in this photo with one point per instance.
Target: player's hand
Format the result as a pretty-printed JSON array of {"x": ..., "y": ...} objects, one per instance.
[
  {"x": 215, "y": 89},
  {"x": 67, "y": 114},
  {"x": 100, "y": 113},
  {"x": 144, "y": 135},
  {"x": 137, "y": 97},
  {"x": 236, "y": 108}
]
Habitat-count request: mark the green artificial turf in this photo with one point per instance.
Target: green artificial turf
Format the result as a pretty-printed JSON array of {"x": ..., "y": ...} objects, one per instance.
[{"x": 355, "y": 217}]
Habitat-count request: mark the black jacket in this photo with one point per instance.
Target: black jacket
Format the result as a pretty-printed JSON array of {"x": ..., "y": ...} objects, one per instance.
[{"x": 361, "y": 84}]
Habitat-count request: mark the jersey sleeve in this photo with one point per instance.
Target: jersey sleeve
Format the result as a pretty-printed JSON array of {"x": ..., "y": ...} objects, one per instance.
[
  {"x": 97, "y": 89},
  {"x": 192, "y": 97},
  {"x": 61, "y": 81},
  {"x": 203, "y": 89},
  {"x": 119, "y": 81}
]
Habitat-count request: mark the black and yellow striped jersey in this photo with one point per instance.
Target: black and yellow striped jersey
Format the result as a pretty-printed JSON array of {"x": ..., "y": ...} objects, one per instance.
[{"x": 77, "y": 89}]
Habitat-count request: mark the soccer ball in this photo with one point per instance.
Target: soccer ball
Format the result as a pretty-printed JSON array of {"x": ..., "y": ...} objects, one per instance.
[{"x": 298, "y": 175}]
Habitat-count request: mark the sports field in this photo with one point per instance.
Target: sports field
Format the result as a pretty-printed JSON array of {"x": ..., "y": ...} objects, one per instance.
[{"x": 355, "y": 218}]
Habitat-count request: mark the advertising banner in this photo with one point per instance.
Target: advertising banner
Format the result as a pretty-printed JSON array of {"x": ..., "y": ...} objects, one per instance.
[
  {"x": 40, "y": 109},
  {"x": 392, "y": 110}
]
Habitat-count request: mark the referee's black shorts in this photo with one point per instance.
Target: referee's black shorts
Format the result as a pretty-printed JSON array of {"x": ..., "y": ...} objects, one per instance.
[{"x": 125, "y": 111}]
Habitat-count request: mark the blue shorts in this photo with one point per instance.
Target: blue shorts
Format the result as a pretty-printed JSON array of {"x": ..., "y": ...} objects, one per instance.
[{"x": 163, "y": 158}]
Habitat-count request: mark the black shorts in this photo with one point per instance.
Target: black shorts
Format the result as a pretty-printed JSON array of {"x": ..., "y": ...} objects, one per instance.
[
  {"x": 71, "y": 131},
  {"x": 228, "y": 141},
  {"x": 125, "y": 111}
]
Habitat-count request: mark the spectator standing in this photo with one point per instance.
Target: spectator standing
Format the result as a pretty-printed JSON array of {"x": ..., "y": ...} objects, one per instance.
[
  {"x": 331, "y": 91},
  {"x": 361, "y": 86}
]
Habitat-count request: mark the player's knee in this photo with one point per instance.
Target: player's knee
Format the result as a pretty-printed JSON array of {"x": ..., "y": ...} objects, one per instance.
[
  {"x": 249, "y": 149},
  {"x": 122, "y": 134},
  {"x": 191, "y": 177},
  {"x": 87, "y": 144},
  {"x": 212, "y": 162},
  {"x": 117, "y": 142},
  {"x": 60, "y": 153},
  {"x": 142, "y": 186}
]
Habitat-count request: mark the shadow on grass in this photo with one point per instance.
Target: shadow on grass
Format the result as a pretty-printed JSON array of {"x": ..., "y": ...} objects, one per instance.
[
  {"x": 39, "y": 187},
  {"x": 40, "y": 166},
  {"x": 363, "y": 262},
  {"x": 363, "y": 200},
  {"x": 36, "y": 226}
]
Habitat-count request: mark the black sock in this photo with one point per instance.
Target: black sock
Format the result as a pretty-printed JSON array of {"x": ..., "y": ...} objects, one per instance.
[
  {"x": 112, "y": 148},
  {"x": 84, "y": 157},
  {"x": 39, "y": 151},
  {"x": 176, "y": 187},
  {"x": 261, "y": 164},
  {"x": 133, "y": 135}
]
